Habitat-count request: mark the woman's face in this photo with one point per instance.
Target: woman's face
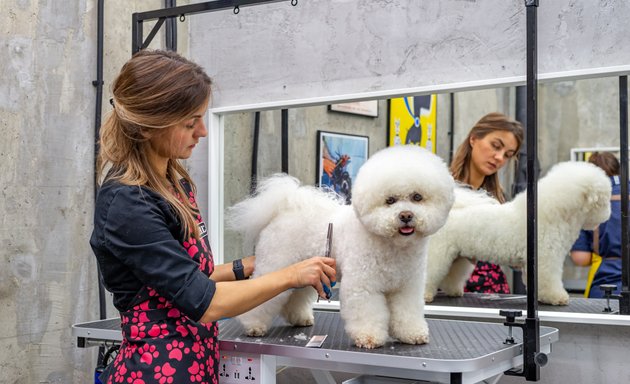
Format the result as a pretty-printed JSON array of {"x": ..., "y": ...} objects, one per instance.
[
  {"x": 178, "y": 141},
  {"x": 491, "y": 152}
]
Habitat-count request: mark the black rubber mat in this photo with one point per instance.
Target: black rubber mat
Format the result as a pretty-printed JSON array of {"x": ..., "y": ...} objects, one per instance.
[{"x": 449, "y": 339}]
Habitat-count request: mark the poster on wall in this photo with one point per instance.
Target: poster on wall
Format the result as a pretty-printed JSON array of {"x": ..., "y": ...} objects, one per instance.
[
  {"x": 339, "y": 158},
  {"x": 412, "y": 120},
  {"x": 363, "y": 108}
]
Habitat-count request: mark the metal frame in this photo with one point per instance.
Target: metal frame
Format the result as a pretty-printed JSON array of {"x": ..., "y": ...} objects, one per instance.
[
  {"x": 283, "y": 348},
  {"x": 161, "y": 15},
  {"x": 531, "y": 327}
]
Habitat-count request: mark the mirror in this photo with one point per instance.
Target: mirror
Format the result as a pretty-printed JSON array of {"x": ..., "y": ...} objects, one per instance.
[{"x": 572, "y": 114}]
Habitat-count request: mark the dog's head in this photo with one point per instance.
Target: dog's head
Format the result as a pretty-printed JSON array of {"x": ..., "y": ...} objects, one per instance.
[
  {"x": 577, "y": 189},
  {"x": 403, "y": 192}
]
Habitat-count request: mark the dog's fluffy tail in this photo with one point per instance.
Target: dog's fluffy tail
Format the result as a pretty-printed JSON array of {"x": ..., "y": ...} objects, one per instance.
[{"x": 277, "y": 194}]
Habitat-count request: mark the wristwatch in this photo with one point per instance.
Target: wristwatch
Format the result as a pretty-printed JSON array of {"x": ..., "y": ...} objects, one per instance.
[{"x": 237, "y": 268}]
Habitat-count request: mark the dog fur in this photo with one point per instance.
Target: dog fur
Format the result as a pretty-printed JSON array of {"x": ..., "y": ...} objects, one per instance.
[
  {"x": 572, "y": 196},
  {"x": 379, "y": 243}
]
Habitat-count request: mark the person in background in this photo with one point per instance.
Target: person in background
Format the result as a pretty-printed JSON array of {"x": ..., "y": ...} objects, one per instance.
[
  {"x": 150, "y": 240},
  {"x": 601, "y": 248},
  {"x": 490, "y": 144}
]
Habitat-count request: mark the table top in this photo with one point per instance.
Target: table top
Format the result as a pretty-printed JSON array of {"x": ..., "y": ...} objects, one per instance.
[{"x": 455, "y": 345}]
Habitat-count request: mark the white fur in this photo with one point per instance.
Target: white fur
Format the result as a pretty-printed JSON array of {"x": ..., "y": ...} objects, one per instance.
[
  {"x": 572, "y": 196},
  {"x": 383, "y": 271}
]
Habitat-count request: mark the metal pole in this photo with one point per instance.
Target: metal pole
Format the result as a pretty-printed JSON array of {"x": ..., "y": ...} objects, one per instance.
[
  {"x": 285, "y": 141},
  {"x": 531, "y": 346},
  {"x": 624, "y": 300}
]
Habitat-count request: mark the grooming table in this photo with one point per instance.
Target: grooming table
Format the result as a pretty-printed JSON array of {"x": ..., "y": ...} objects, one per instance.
[{"x": 458, "y": 351}]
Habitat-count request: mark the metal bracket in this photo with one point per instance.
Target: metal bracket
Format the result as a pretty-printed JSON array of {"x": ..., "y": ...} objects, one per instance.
[
  {"x": 531, "y": 341},
  {"x": 161, "y": 15}
]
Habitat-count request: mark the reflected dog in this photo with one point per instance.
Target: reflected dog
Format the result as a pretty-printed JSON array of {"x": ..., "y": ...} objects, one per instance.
[{"x": 572, "y": 196}]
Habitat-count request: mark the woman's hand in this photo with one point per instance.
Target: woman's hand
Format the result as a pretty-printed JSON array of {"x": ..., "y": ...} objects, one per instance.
[
  {"x": 249, "y": 263},
  {"x": 315, "y": 272},
  {"x": 233, "y": 298}
]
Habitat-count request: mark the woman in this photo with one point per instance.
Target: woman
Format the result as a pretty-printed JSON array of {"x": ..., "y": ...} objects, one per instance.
[
  {"x": 601, "y": 249},
  {"x": 490, "y": 144},
  {"x": 150, "y": 240}
]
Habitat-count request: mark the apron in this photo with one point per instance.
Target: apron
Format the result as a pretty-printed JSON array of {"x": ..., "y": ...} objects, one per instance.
[{"x": 161, "y": 344}]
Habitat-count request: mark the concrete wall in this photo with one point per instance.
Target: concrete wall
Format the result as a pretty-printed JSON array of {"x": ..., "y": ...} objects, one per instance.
[
  {"x": 48, "y": 276},
  {"x": 47, "y": 103}
]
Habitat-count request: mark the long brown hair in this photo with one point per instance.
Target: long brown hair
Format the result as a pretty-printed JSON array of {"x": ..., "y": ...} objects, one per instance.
[
  {"x": 154, "y": 90},
  {"x": 491, "y": 122},
  {"x": 606, "y": 161}
]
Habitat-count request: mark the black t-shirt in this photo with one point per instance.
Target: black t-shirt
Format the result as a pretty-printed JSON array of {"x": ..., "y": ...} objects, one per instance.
[{"x": 137, "y": 240}]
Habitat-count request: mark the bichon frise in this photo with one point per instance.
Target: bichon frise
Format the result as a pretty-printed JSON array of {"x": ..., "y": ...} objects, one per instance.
[
  {"x": 400, "y": 196},
  {"x": 572, "y": 196}
]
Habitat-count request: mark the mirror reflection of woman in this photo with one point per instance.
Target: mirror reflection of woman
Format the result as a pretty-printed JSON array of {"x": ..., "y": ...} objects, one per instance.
[{"x": 489, "y": 146}]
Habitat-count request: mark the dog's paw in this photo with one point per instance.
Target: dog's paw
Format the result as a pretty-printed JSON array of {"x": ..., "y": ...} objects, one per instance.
[
  {"x": 368, "y": 341},
  {"x": 415, "y": 339},
  {"x": 302, "y": 321},
  {"x": 256, "y": 331},
  {"x": 557, "y": 298},
  {"x": 454, "y": 291},
  {"x": 417, "y": 333},
  {"x": 428, "y": 297}
]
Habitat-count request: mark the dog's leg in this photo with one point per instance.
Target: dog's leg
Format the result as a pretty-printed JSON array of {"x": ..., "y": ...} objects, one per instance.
[
  {"x": 455, "y": 281},
  {"x": 407, "y": 322},
  {"x": 442, "y": 253},
  {"x": 366, "y": 317},
  {"x": 550, "y": 287},
  {"x": 257, "y": 321},
  {"x": 299, "y": 308}
]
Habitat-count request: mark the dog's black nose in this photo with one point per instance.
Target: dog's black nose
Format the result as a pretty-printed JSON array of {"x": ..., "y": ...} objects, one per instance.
[{"x": 405, "y": 216}]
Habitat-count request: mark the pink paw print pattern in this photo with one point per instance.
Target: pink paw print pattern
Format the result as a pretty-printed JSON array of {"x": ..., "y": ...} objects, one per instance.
[
  {"x": 164, "y": 373},
  {"x": 198, "y": 349},
  {"x": 192, "y": 200},
  {"x": 196, "y": 372},
  {"x": 135, "y": 378},
  {"x": 175, "y": 349},
  {"x": 119, "y": 375},
  {"x": 148, "y": 353},
  {"x": 191, "y": 247},
  {"x": 159, "y": 331},
  {"x": 137, "y": 332}
]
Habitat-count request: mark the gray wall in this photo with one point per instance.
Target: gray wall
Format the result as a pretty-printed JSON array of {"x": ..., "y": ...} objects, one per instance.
[{"x": 48, "y": 276}]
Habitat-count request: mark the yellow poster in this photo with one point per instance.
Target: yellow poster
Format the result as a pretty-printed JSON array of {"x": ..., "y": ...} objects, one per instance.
[{"x": 412, "y": 120}]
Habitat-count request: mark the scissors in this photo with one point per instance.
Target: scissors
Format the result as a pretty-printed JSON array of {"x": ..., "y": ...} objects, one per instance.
[{"x": 327, "y": 290}]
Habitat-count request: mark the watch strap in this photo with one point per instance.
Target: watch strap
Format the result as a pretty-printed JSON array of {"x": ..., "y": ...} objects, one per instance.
[{"x": 237, "y": 268}]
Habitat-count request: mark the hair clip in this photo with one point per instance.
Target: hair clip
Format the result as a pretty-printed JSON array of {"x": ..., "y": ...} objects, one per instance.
[{"x": 111, "y": 101}]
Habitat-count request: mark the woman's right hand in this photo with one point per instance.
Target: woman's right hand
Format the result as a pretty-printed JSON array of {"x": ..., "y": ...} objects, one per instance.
[{"x": 315, "y": 272}]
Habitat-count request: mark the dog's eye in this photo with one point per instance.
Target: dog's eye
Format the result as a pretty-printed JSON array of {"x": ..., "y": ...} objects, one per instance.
[
  {"x": 416, "y": 197},
  {"x": 390, "y": 200}
]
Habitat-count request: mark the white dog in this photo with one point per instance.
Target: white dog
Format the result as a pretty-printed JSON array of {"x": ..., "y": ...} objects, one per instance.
[
  {"x": 400, "y": 196},
  {"x": 572, "y": 196}
]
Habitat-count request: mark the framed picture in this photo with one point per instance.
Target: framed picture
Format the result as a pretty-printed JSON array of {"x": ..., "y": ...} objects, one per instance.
[
  {"x": 412, "y": 120},
  {"x": 339, "y": 158},
  {"x": 363, "y": 108}
]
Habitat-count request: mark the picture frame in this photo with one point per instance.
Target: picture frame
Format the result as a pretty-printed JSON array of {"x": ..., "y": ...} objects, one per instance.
[
  {"x": 363, "y": 108},
  {"x": 339, "y": 158},
  {"x": 412, "y": 120}
]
